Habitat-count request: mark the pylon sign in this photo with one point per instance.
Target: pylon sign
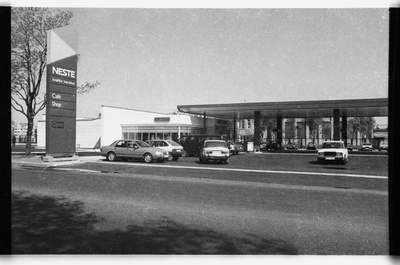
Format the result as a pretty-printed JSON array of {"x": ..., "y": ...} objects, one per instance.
[{"x": 61, "y": 79}]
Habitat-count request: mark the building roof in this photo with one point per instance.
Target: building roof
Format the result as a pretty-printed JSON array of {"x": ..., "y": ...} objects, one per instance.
[{"x": 373, "y": 107}]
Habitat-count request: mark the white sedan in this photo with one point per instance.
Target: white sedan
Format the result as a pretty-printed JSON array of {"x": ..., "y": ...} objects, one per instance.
[
  {"x": 174, "y": 149},
  {"x": 366, "y": 147},
  {"x": 333, "y": 151},
  {"x": 214, "y": 150}
]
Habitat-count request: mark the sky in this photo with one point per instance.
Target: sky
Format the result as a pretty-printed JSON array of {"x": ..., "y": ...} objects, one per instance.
[{"x": 154, "y": 59}]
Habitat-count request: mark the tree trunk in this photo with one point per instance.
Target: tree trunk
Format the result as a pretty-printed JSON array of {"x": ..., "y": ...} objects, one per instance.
[{"x": 28, "y": 147}]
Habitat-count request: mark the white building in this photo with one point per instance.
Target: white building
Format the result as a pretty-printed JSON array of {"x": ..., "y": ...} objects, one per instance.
[
  {"x": 122, "y": 123},
  {"x": 20, "y": 131}
]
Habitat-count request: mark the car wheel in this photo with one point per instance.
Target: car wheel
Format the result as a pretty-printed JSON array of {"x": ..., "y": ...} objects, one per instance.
[
  {"x": 111, "y": 156},
  {"x": 175, "y": 158},
  {"x": 225, "y": 161},
  {"x": 201, "y": 159},
  {"x": 344, "y": 161},
  {"x": 148, "y": 158}
]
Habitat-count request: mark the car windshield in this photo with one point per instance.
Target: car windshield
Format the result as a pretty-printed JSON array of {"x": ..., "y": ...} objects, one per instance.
[
  {"x": 173, "y": 143},
  {"x": 142, "y": 144},
  {"x": 332, "y": 145},
  {"x": 214, "y": 144}
]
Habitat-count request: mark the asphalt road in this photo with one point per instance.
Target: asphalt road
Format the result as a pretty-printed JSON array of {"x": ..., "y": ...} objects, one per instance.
[{"x": 257, "y": 204}]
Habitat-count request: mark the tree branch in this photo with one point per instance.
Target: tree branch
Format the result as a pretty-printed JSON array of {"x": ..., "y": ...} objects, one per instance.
[
  {"x": 19, "y": 105},
  {"x": 19, "y": 93},
  {"x": 42, "y": 106}
]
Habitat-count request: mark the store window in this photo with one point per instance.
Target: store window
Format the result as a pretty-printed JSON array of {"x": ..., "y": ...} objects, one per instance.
[{"x": 147, "y": 132}]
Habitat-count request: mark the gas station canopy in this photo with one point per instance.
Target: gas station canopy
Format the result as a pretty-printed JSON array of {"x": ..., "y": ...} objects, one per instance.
[{"x": 373, "y": 107}]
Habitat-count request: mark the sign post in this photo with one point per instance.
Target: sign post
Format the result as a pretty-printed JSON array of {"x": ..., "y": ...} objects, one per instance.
[{"x": 61, "y": 96}]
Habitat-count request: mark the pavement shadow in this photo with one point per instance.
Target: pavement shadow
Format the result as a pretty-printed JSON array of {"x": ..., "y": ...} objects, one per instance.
[
  {"x": 55, "y": 225},
  {"x": 47, "y": 225}
]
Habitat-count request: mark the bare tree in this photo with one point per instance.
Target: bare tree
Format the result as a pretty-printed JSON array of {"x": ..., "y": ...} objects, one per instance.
[{"x": 29, "y": 26}]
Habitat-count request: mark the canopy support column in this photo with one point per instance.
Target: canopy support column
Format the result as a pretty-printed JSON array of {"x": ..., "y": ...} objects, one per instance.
[
  {"x": 336, "y": 124},
  {"x": 204, "y": 123},
  {"x": 344, "y": 129},
  {"x": 257, "y": 141},
  {"x": 279, "y": 130},
  {"x": 234, "y": 127}
]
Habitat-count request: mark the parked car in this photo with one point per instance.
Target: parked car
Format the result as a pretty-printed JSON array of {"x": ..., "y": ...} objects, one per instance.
[
  {"x": 350, "y": 147},
  {"x": 133, "y": 149},
  {"x": 193, "y": 143},
  {"x": 333, "y": 151},
  {"x": 174, "y": 149},
  {"x": 270, "y": 145},
  {"x": 383, "y": 146},
  {"x": 311, "y": 146},
  {"x": 214, "y": 150},
  {"x": 234, "y": 148},
  {"x": 366, "y": 147},
  {"x": 291, "y": 146}
]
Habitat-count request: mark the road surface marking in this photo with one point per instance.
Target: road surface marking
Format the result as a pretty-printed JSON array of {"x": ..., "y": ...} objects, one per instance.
[
  {"x": 258, "y": 171},
  {"x": 225, "y": 182}
]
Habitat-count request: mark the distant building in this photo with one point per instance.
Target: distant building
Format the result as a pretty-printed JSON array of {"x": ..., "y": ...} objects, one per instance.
[
  {"x": 20, "y": 132},
  {"x": 293, "y": 131},
  {"x": 380, "y": 135}
]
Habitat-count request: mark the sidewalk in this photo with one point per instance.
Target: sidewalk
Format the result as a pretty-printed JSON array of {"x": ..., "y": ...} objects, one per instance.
[
  {"x": 19, "y": 149},
  {"x": 36, "y": 158}
]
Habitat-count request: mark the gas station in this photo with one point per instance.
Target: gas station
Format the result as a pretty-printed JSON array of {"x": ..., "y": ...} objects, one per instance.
[
  {"x": 339, "y": 110},
  {"x": 61, "y": 104}
]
